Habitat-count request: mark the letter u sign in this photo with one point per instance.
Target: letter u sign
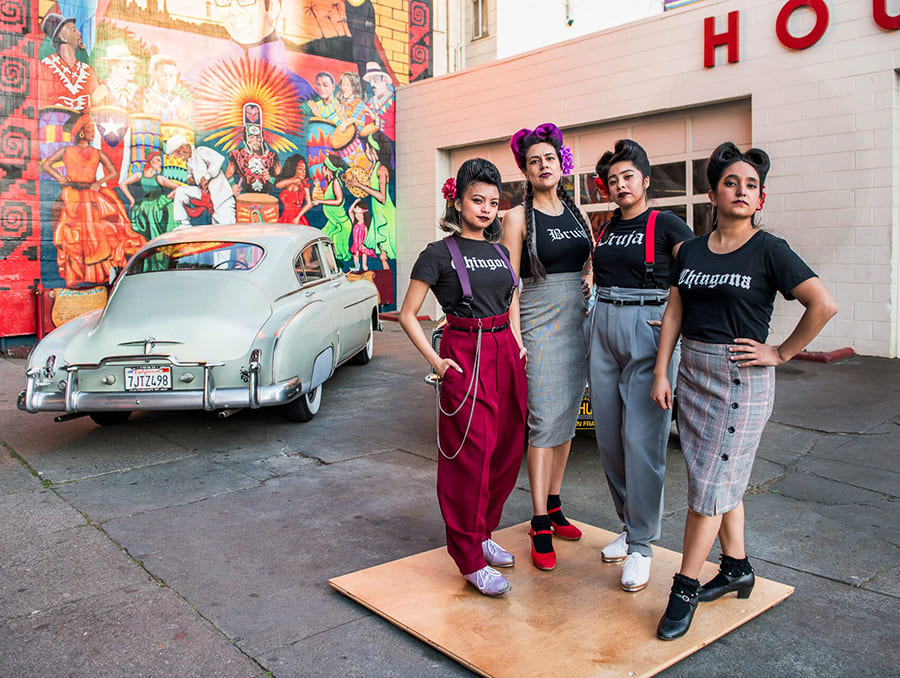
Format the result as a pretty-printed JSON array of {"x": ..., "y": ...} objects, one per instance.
[{"x": 793, "y": 42}]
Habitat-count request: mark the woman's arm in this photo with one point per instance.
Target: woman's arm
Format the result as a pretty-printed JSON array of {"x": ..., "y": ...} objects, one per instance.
[
  {"x": 512, "y": 237},
  {"x": 338, "y": 195},
  {"x": 587, "y": 272},
  {"x": 661, "y": 391},
  {"x": 381, "y": 193},
  {"x": 307, "y": 203},
  {"x": 515, "y": 324},
  {"x": 409, "y": 310},
  {"x": 48, "y": 163},
  {"x": 820, "y": 308}
]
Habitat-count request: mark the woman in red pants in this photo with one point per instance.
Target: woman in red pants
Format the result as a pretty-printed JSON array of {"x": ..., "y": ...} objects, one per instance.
[{"x": 481, "y": 427}]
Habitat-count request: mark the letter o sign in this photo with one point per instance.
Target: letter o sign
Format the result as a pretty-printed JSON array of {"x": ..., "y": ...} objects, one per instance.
[{"x": 811, "y": 38}]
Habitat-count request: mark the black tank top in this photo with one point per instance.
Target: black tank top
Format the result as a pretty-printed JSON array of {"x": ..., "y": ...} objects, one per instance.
[{"x": 562, "y": 244}]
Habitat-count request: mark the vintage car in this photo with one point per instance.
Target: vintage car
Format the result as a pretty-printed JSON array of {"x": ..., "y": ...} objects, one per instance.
[{"x": 214, "y": 318}]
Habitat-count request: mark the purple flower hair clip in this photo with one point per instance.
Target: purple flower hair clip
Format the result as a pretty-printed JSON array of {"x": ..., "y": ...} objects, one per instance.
[
  {"x": 566, "y": 161},
  {"x": 548, "y": 132},
  {"x": 448, "y": 190}
]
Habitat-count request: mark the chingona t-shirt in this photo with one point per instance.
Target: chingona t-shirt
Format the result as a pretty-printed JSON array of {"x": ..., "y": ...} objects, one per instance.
[
  {"x": 619, "y": 256},
  {"x": 726, "y": 296},
  {"x": 489, "y": 276}
]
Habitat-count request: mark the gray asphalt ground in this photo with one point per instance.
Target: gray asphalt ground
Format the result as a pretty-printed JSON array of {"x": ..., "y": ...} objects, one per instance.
[{"x": 179, "y": 544}]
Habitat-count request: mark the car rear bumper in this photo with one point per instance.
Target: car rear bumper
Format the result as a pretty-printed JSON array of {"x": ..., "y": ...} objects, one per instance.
[{"x": 69, "y": 399}]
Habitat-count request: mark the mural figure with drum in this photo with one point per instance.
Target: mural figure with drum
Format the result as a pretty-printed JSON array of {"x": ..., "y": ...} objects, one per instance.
[{"x": 138, "y": 136}]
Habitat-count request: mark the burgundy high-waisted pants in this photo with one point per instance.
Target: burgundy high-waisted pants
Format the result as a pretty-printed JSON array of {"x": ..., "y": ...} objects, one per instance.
[{"x": 473, "y": 486}]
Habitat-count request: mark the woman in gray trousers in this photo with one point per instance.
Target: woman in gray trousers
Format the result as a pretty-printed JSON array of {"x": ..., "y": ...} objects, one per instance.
[{"x": 631, "y": 261}]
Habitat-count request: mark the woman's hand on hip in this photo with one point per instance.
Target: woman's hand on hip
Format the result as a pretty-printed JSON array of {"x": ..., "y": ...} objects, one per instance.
[
  {"x": 446, "y": 364},
  {"x": 749, "y": 352},
  {"x": 661, "y": 392}
]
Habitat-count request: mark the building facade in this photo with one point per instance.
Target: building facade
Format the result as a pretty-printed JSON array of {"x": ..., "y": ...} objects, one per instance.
[
  {"x": 123, "y": 119},
  {"x": 813, "y": 82}
]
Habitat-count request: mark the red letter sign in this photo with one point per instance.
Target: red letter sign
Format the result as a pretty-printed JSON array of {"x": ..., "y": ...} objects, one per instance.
[
  {"x": 711, "y": 39},
  {"x": 879, "y": 13},
  {"x": 781, "y": 24}
]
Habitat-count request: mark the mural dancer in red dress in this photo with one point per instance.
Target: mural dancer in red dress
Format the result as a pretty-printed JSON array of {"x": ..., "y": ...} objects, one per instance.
[{"x": 92, "y": 232}]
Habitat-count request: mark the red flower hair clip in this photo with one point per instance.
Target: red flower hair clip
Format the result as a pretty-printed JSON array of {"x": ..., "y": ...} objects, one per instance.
[
  {"x": 762, "y": 198},
  {"x": 448, "y": 190},
  {"x": 598, "y": 182}
]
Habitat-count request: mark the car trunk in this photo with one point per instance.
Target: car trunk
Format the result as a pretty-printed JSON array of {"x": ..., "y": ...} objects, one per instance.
[{"x": 210, "y": 315}]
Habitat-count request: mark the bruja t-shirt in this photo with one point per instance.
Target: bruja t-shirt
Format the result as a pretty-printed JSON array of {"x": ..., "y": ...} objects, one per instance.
[{"x": 726, "y": 296}]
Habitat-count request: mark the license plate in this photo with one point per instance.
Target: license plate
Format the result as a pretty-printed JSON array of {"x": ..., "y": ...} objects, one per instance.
[{"x": 148, "y": 378}]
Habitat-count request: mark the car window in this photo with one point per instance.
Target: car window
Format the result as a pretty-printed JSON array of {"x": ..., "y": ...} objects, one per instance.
[
  {"x": 196, "y": 256},
  {"x": 308, "y": 265},
  {"x": 329, "y": 259}
]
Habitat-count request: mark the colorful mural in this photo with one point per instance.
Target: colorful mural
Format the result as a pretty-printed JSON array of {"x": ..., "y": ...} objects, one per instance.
[{"x": 125, "y": 119}]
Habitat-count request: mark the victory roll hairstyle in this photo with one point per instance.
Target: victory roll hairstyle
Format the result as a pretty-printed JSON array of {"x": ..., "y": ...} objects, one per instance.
[
  {"x": 727, "y": 154},
  {"x": 472, "y": 171},
  {"x": 625, "y": 150}
]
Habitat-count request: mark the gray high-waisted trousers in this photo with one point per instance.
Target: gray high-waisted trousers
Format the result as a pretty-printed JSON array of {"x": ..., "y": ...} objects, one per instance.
[
  {"x": 552, "y": 312},
  {"x": 632, "y": 431}
]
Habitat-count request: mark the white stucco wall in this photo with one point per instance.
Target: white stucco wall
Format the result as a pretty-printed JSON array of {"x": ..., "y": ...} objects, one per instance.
[
  {"x": 826, "y": 115},
  {"x": 524, "y": 25}
]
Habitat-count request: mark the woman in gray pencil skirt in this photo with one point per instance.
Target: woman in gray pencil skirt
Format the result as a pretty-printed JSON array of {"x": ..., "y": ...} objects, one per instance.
[
  {"x": 549, "y": 240},
  {"x": 722, "y": 292}
]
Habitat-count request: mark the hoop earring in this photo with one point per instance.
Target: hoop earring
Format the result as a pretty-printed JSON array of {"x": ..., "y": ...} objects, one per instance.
[{"x": 715, "y": 216}]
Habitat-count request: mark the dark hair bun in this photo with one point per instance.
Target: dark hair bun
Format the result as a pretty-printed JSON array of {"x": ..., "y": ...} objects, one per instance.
[
  {"x": 626, "y": 150},
  {"x": 727, "y": 154}
]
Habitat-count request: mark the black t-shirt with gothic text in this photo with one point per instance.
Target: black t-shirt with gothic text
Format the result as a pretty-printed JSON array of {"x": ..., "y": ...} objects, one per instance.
[
  {"x": 619, "y": 256},
  {"x": 489, "y": 276},
  {"x": 726, "y": 296}
]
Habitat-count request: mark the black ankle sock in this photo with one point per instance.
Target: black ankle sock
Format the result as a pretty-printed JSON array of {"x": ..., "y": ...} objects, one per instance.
[
  {"x": 543, "y": 543},
  {"x": 681, "y": 585},
  {"x": 734, "y": 567},
  {"x": 553, "y": 502}
]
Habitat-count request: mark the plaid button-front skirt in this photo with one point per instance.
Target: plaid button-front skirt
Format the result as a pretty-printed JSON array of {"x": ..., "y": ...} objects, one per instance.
[{"x": 722, "y": 411}]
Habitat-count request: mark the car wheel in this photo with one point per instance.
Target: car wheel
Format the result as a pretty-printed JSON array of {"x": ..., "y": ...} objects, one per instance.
[
  {"x": 365, "y": 355},
  {"x": 305, "y": 407},
  {"x": 110, "y": 418}
]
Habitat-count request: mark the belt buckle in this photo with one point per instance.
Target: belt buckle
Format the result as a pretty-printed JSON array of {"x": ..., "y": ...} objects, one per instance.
[{"x": 618, "y": 302}]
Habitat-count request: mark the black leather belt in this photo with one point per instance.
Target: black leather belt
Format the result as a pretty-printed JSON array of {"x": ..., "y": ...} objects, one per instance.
[
  {"x": 474, "y": 330},
  {"x": 633, "y": 302}
]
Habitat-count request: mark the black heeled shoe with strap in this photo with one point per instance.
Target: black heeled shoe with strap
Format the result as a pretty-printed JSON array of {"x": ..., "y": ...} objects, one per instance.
[
  {"x": 734, "y": 575},
  {"x": 679, "y": 612}
]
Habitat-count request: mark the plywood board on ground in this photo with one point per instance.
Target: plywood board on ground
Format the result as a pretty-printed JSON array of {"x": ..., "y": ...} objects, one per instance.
[{"x": 573, "y": 621}]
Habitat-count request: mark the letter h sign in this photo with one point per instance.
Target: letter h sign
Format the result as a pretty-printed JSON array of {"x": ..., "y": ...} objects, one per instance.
[{"x": 730, "y": 37}]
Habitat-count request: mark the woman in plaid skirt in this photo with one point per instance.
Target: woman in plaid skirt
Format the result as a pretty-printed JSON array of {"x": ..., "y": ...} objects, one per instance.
[{"x": 722, "y": 292}]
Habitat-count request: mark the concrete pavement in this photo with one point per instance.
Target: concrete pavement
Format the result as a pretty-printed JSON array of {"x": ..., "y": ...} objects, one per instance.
[{"x": 185, "y": 545}]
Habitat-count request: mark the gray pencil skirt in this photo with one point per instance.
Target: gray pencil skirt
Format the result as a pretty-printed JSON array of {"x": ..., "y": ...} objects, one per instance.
[
  {"x": 722, "y": 411},
  {"x": 552, "y": 314}
]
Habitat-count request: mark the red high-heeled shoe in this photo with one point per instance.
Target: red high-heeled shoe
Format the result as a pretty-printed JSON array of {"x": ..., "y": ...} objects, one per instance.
[
  {"x": 567, "y": 531},
  {"x": 542, "y": 561}
]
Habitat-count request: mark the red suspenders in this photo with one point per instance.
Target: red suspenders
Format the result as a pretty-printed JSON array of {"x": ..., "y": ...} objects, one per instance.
[{"x": 649, "y": 243}]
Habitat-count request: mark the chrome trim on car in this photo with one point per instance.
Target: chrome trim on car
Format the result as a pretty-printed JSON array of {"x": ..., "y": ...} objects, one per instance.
[{"x": 71, "y": 401}]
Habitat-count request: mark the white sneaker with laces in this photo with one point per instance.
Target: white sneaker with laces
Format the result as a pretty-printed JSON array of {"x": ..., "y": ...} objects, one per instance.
[
  {"x": 488, "y": 581},
  {"x": 616, "y": 551},
  {"x": 496, "y": 555},
  {"x": 635, "y": 572}
]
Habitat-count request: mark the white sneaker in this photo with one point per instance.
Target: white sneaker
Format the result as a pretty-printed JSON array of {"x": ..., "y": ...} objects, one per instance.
[
  {"x": 635, "y": 572},
  {"x": 488, "y": 581},
  {"x": 616, "y": 551},
  {"x": 496, "y": 555}
]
